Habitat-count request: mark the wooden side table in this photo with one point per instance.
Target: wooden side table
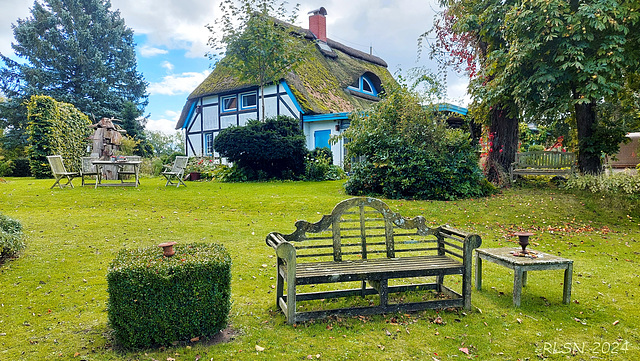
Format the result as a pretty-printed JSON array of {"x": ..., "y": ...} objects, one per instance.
[{"x": 520, "y": 267}]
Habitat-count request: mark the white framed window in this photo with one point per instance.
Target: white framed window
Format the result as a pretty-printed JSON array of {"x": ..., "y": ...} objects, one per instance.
[
  {"x": 229, "y": 103},
  {"x": 248, "y": 101},
  {"x": 208, "y": 144}
]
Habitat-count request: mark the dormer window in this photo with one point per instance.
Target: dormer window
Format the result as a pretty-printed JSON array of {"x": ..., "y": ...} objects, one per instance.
[{"x": 366, "y": 84}]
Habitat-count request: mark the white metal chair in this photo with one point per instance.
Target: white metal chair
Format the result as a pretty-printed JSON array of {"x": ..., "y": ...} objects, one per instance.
[
  {"x": 176, "y": 171},
  {"x": 59, "y": 172}
]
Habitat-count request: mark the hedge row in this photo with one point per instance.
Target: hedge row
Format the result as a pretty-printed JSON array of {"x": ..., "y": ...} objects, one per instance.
[{"x": 156, "y": 300}]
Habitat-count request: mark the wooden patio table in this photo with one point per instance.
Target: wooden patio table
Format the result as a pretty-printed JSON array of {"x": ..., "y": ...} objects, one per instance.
[
  {"x": 121, "y": 164},
  {"x": 520, "y": 267}
]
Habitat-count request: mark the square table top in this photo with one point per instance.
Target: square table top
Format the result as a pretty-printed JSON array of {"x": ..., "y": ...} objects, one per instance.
[{"x": 504, "y": 255}]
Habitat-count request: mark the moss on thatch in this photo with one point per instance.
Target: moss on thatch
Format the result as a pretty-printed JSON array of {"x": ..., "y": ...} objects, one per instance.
[{"x": 319, "y": 83}]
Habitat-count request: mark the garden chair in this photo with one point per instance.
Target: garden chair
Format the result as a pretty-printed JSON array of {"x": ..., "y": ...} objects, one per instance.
[
  {"x": 59, "y": 172},
  {"x": 128, "y": 170},
  {"x": 87, "y": 168},
  {"x": 176, "y": 171}
]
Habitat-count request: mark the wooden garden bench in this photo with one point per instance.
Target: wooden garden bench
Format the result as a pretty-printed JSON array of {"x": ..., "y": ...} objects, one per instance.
[
  {"x": 363, "y": 241},
  {"x": 543, "y": 163}
]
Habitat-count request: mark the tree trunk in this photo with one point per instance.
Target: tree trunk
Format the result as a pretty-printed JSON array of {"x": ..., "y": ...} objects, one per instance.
[
  {"x": 503, "y": 144},
  {"x": 262, "y": 100},
  {"x": 589, "y": 160}
]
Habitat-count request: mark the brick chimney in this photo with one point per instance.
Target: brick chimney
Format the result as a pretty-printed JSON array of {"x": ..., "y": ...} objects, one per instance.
[{"x": 318, "y": 23}]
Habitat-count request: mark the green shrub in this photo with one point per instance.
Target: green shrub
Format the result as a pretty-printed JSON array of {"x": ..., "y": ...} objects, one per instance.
[
  {"x": 408, "y": 153},
  {"x": 615, "y": 183},
  {"x": 21, "y": 168},
  {"x": 11, "y": 240},
  {"x": 157, "y": 300},
  {"x": 6, "y": 167},
  {"x": 319, "y": 166},
  {"x": 265, "y": 150}
]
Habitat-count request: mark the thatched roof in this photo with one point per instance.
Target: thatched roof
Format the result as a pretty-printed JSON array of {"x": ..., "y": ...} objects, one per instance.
[{"x": 319, "y": 83}]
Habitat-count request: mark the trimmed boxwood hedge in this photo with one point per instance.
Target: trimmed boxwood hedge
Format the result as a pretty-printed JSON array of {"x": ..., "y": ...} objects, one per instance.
[
  {"x": 156, "y": 300},
  {"x": 11, "y": 240}
]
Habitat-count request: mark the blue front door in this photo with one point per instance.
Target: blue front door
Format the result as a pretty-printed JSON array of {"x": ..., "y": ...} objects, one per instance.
[{"x": 322, "y": 138}]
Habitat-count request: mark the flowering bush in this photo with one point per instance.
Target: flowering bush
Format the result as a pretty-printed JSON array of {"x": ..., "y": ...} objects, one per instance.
[{"x": 207, "y": 167}]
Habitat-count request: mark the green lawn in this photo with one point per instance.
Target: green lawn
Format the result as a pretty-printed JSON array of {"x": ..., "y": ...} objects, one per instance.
[{"x": 53, "y": 297}]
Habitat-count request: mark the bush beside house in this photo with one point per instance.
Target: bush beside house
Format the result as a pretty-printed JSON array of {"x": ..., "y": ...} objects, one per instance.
[{"x": 406, "y": 152}]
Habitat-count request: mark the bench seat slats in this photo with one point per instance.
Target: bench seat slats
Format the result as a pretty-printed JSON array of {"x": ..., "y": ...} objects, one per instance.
[{"x": 377, "y": 268}]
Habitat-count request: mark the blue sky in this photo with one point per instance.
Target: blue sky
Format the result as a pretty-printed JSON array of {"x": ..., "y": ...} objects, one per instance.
[{"x": 171, "y": 41}]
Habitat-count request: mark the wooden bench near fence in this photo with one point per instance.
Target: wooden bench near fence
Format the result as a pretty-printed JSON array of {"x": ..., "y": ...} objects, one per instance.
[
  {"x": 543, "y": 163},
  {"x": 363, "y": 241}
]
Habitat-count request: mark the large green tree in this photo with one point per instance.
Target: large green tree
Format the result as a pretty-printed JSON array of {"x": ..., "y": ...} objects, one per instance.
[
  {"x": 566, "y": 58},
  {"x": 76, "y": 51},
  {"x": 257, "y": 41}
]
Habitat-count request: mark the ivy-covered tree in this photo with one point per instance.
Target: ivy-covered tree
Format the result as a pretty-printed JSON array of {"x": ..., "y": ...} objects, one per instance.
[
  {"x": 55, "y": 128},
  {"x": 76, "y": 51},
  {"x": 257, "y": 41},
  {"x": 469, "y": 34},
  {"x": 551, "y": 60}
]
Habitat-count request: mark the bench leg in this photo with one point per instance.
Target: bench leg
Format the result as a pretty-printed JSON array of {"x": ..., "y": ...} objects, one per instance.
[
  {"x": 291, "y": 301},
  {"x": 478, "y": 272},
  {"x": 517, "y": 286},
  {"x": 279, "y": 285},
  {"x": 524, "y": 278},
  {"x": 384, "y": 293},
  {"x": 568, "y": 274},
  {"x": 439, "y": 282}
]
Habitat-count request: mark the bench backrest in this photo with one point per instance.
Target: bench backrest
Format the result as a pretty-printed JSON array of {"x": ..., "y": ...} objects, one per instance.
[
  {"x": 57, "y": 166},
  {"x": 363, "y": 228},
  {"x": 546, "y": 159}
]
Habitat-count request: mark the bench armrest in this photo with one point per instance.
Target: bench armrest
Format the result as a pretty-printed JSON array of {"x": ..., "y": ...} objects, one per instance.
[
  {"x": 471, "y": 240},
  {"x": 274, "y": 239}
]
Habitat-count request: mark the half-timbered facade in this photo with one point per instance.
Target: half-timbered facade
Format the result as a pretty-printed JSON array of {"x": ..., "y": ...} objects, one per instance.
[{"x": 321, "y": 93}]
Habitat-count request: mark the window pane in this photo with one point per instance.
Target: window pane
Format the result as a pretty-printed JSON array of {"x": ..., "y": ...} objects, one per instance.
[
  {"x": 229, "y": 104},
  {"x": 366, "y": 86},
  {"x": 249, "y": 100},
  {"x": 209, "y": 143}
]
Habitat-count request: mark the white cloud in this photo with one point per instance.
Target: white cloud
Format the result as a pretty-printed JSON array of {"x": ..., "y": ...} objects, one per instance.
[
  {"x": 12, "y": 10},
  {"x": 183, "y": 83},
  {"x": 167, "y": 65},
  {"x": 166, "y": 123},
  {"x": 149, "y": 51}
]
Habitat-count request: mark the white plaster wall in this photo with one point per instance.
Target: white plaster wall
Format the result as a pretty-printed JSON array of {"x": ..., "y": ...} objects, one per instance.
[
  {"x": 244, "y": 118},
  {"x": 196, "y": 141},
  {"x": 210, "y": 116},
  {"x": 209, "y": 100},
  {"x": 228, "y": 120}
]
